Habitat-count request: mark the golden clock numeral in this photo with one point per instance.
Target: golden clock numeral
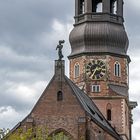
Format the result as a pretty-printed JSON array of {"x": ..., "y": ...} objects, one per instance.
[
  {"x": 103, "y": 66},
  {"x": 94, "y": 77},
  {"x": 102, "y": 73},
  {"x": 88, "y": 66},
  {"x": 103, "y": 70},
  {"x": 95, "y": 62},
  {"x": 87, "y": 70}
]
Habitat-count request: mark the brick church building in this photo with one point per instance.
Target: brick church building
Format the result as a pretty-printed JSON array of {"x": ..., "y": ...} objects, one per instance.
[{"x": 94, "y": 103}]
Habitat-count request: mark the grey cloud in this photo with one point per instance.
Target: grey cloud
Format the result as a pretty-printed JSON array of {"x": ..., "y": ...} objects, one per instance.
[
  {"x": 26, "y": 69},
  {"x": 22, "y": 22},
  {"x": 15, "y": 102},
  {"x": 10, "y": 117},
  {"x": 132, "y": 22},
  {"x": 3, "y": 110},
  {"x": 22, "y": 100},
  {"x": 132, "y": 15}
]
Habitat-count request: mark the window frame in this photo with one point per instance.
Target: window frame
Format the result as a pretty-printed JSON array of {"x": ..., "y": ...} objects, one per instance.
[
  {"x": 81, "y": 6},
  {"x": 113, "y": 7},
  {"x": 109, "y": 112},
  {"x": 117, "y": 69},
  {"x": 109, "y": 115},
  {"x": 97, "y": 6},
  {"x": 59, "y": 96},
  {"x": 96, "y": 88},
  {"x": 76, "y": 70}
]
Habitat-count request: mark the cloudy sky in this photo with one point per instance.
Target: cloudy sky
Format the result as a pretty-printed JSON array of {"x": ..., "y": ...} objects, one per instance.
[{"x": 29, "y": 33}]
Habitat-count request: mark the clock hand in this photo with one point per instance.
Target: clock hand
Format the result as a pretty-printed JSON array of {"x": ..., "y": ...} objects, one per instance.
[
  {"x": 93, "y": 72},
  {"x": 97, "y": 69}
]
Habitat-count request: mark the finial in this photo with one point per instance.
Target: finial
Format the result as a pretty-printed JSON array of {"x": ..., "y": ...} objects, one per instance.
[{"x": 59, "y": 47}]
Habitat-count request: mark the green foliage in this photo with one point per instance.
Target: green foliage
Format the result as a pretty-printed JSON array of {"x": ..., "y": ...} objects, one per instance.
[
  {"x": 19, "y": 135},
  {"x": 60, "y": 136},
  {"x": 39, "y": 133}
]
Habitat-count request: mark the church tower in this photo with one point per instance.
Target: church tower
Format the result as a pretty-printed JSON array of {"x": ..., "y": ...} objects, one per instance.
[{"x": 99, "y": 63}]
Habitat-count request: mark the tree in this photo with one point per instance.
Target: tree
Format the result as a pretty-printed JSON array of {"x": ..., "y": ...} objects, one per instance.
[
  {"x": 36, "y": 133},
  {"x": 3, "y": 132}
]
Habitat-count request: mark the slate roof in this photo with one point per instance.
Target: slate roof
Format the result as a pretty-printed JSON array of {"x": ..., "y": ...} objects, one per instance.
[
  {"x": 92, "y": 110},
  {"x": 120, "y": 90},
  {"x": 98, "y": 37}
]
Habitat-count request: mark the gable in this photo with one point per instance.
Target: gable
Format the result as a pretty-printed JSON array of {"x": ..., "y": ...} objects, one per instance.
[
  {"x": 68, "y": 112},
  {"x": 48, "y": 105}
]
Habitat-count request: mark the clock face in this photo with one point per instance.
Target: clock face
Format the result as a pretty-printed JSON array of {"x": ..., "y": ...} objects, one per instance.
[{"x": 96, "y": 69}]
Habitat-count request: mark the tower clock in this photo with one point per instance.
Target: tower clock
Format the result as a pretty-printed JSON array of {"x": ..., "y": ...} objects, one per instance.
[
  {"x": 96, "y": 69},
  {"x": 99, "y": 60}
]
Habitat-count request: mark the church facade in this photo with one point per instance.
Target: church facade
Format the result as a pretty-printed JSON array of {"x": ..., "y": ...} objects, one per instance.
[{"x": 94, "y": 103}]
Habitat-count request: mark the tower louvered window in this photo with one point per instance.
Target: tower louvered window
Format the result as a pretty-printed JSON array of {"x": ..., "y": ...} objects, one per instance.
[
  {"x": 97, "y": 6},
  {"x": 82, "y": 7},
  {"x": 113, "y": 6}
]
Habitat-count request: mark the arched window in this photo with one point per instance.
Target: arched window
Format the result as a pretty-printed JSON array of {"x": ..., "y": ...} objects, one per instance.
[
  {"x": 108, "y": 112},
  {"x": 127, "y": 116},
  {"x": 117, "y": 69},
  {"x": 82, "y": 7},
  {"x": 113, "y": 6},
  {"x": 60, "y": 135},
  {"x": 97, "y": 6},
  {"x": 127, "y": 72},
  {"x": 59, "y": 96},
  {"x": 76, "y": 70}
]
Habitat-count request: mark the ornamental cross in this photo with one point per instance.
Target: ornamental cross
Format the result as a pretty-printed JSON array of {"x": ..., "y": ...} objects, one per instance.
[{"x": 59, "y": 47}]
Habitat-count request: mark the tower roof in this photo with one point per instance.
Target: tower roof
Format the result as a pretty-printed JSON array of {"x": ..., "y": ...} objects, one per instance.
[
  {"x": 98, "y": 37},
  {"x": 99, "y": 32}
]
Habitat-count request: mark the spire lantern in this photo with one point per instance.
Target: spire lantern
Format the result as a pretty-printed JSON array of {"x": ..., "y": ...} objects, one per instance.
[
  {"x": 99, "y": 28},
  {"x": 95, "y": 10}
]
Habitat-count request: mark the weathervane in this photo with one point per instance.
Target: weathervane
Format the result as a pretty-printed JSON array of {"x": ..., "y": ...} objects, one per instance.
[{"x": 59, "y": 47}]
